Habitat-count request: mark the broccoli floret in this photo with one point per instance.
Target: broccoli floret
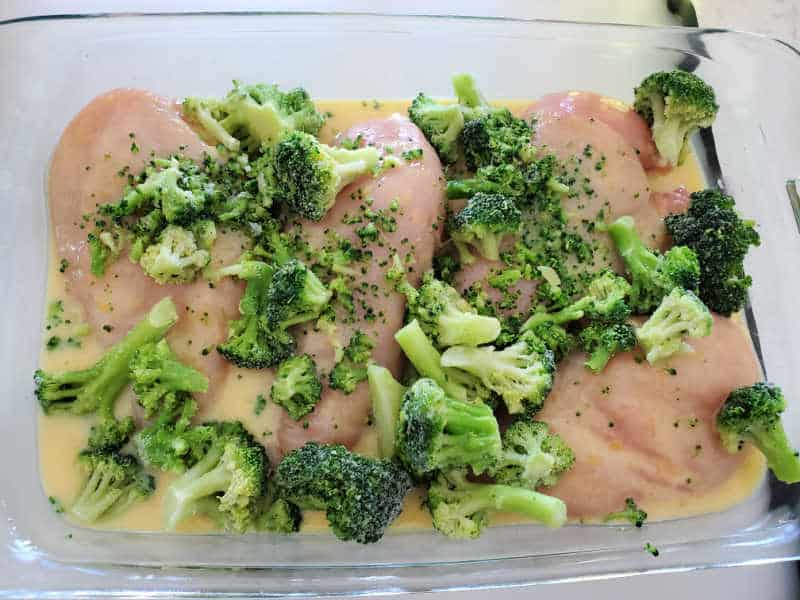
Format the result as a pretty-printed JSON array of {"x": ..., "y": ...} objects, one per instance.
[
  {"x": 505, "y": 179},
  {"x": 653, "y": 275},
  {"x": 252, "y": 115},
  {"x": 681, "y": 314},
  {"x": 437, "y": 432},
  {"x": 311, "y": 174},
  {"x": 277, "y": 515},
  {"x": 449, "y": 319},
  {"x": 720, "y": 238},
  {"x": 253, "y": 341},
  {"x": 461, "y": 509},
  {"x": 532, "y": 456},
  {"x": 352, "y": 368},
  {"x": 554, "y": 336},
  {"x": 295, "y": 295},
  {"x": 483, "y": 223},
  {"x": 233, "y": 469},
  {"x": 175, "y": 186},
  {"x": 297, "y": 387},
  {"x": 104, "y": 248},
  {"x": 110, "y": 434},
  {"x": 112, "y": 483},
  {"x": 361, "y": 496},
  {"x": 753, "y": 414},
  {"x": 96, "y": 389},
  {"x": 496, "y": 138},
  {"x": 427, "y": 361},
  {"x": 522, "y": 373},
  {"x": 386, "y": 395},
  {"x": 158, "y": 377},
  {"x": 632, "y": 513},
  {"x": 602, "y": 341},
  {"x": 169, "y": 442},
  {"x": 175, "y": 257},
  {"x": 675, "y": 104}
]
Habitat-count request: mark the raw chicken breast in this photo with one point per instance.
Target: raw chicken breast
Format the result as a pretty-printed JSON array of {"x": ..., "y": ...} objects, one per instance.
[
  {"x": 617, "y": 115},
  {"x": 88, "y": 168},
  {"x": 418, "y": 187},
  {"x": 641, "y": 431}
]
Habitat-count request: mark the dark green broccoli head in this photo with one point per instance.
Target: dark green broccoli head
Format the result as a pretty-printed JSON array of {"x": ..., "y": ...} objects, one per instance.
[
  {"x": 110, "y": 434},
  {"x": 253, "y": 341},
  {"x": 296, "y": 386},
  {"x": 281, "y": 516},
  {"x": 436, "y": 432},
  {"x": 233, "y": 472},
  {"x": 449, "y": 319},
  {"x": 555, "y": 337},
  {"x": 753, "y": 414},
  {"x": 112, "y": 483},
  {"x": 294, "y": 295},
  {"x": 158, "y": 376},
  {"x": 310, "y": 174},
  {"x": 532, "y": 456},
  {"x": 721, "y": 240},
  {"x": 440, "y": 123},
  {"x": 254, "y": 115},
  {"x": 483, "y": 223},
  {"x": 653, "y": 275},
  {"x": 361, "y": 496},
  {"x": 674, "y": 104},
  {"x": 522, "y": 373},
  {"x": 496, "y": 138},
  {"x": 352, "y": 368},
  {"x": 505, "y": 179},
  {"x": 601, "y": 341}
]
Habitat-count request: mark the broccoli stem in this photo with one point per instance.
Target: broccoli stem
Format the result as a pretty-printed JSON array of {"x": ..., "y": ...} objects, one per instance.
[
  {"x": 97, "y": 496},
  {"x": 639, "y": 259},
  {"x": 545, "y": 509},
  {"x": 426, "y": 358},
  {"x": 599, "y": 359},
  {"x": 386, "y": 394},
  {"x": 777, "y": 449},
  {"x": 466, "y": 91},
  {"x": 351, "y": 164},
  {"x": 463, "y": 328},
  {"x": 203, "y": 479}
]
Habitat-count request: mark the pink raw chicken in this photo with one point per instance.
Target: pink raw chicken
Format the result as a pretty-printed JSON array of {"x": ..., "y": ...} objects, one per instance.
[
  {"x": 417, "y": 186},
  {"x": 84, "y": 172}
]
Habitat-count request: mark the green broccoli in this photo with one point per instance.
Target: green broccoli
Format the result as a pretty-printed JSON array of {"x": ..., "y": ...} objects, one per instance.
[
  {"x": 631, "y": 513},
  {"x": 483, "y": 223},
  {"x": 310, "y": 174},
  {"x": 158, "y": 377},
  {"x": 753, "y": 414},
  {"x": 721, "y": 239},
  {"x": 94, "y": 390},
  {"x": 104, "y": 248},
  {"x": 253, "y": 341},
  {"x": 386, "y": 395},
  {"x": 675, "y": 104},
  {"x": 522, "y": 373},
  {"x": 294, "y": 295},
  {"x": 351, "y": 370},
  {"x": 175, "y": 257},
  {"x": 112, "y": 483},
  {"x": 170, "y": 442},
  {"x": 602, "y": 341},
  {"x": 505, "y": 179},
  {"x": 532, "y": 456},
  {"x": 461, "y": 509},
  {"x": 436, "y": 432},
  {"x": 653, "y": 275},
  {"x": 110, "y": 434},
  {"x": 176, "y": 186},
  {"x": 554, "y": 336},
  {"x": 426, "y": 359},
  {"x": 681, "y": 314},
  {"x": 276, "y": 514},
  {"x": 361, "y": 496},
  {"x": 254, "y": 115},
  {"x": 449, "y": 319},
  {"x": 496, "y": 138},
  {"x": 296, "y": 386},
  {"x": 233, "y": 469}
]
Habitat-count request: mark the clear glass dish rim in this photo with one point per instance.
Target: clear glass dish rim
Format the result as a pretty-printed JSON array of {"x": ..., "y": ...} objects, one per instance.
[{"x": 788, "y": 530}]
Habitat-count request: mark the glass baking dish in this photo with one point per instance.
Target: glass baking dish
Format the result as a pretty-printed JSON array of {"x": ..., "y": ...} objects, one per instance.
[{"x": 50, "y": 67}]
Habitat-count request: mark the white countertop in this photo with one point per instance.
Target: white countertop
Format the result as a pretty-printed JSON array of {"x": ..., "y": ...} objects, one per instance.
[{"x": 777, "y": 18}]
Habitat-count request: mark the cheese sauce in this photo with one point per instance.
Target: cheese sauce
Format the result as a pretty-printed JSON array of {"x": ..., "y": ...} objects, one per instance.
[{"x": 62, "y": 437}]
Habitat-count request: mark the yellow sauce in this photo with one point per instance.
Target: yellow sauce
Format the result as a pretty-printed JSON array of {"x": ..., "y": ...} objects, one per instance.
[{"x": 62, "y": 437}]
